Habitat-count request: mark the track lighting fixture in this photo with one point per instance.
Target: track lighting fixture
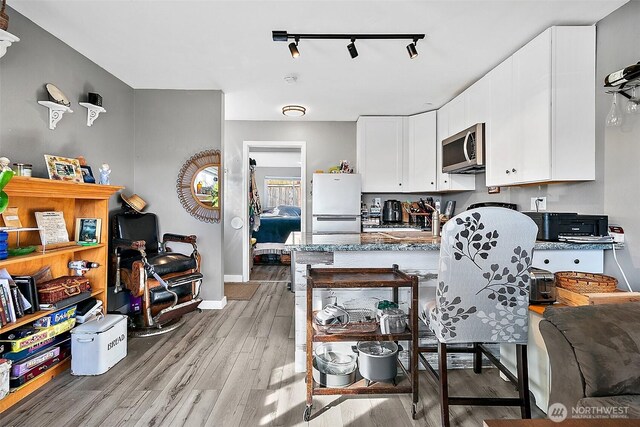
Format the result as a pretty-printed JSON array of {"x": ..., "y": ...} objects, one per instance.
[
  {"x": 283, "y": 36},
  {"x": 293, "y": 48},
  {"x": 411, "y": 48},
  {"x": 351, "y": 47}
]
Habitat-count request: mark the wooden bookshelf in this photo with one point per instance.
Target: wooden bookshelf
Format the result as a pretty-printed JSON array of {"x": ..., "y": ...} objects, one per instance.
[{"x": 74, "y": 200}]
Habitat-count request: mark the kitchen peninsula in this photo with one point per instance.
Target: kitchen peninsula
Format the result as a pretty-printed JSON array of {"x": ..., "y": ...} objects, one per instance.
[{"x": 418, "y": 253}]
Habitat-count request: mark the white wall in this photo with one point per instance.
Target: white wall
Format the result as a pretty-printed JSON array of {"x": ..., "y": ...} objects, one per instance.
[
  {"x": 171, "y": 126},
  {"x": 327, "y": 144}
]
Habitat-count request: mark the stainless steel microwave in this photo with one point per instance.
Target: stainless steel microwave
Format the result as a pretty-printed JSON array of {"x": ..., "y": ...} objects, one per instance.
[{"x": 464, "y": 151}]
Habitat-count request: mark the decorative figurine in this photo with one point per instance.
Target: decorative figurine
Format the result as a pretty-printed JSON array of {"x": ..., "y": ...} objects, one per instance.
[
  {"x": 4, "y": 164},
  {"x": 105, "y": 171}
]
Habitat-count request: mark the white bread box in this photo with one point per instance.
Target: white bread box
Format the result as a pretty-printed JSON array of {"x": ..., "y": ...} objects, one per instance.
[{"x": 98, "y": 345}]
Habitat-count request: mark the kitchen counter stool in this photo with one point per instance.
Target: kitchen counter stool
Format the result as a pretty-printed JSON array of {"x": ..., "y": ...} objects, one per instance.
[{"x": 344, "y": 278}]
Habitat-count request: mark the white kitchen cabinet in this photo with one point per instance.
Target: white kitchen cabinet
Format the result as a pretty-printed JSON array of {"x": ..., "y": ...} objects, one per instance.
[
  {"x": 380, "y": 143},
  {"x": 501, "y": 155},
  {"x": 420, "y": 154},
  {"x": 477, "y": 104},
  {"x": 446, "y": 181},
  {"x": 542, "y": 117},
  {"x": 397, "y": 154},
  {"x": 457, "y": 119}
]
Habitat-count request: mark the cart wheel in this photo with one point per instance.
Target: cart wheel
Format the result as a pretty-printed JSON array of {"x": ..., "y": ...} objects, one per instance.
[
  {"x": 414, "y": 411},
  {"x": 307, "y": 413}
]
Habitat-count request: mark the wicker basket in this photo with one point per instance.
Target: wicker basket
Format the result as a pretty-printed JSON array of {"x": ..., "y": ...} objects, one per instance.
[{"x": 583, "y": 283}]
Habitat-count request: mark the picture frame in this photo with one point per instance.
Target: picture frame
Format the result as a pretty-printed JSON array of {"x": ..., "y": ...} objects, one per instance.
[
  {"x": 88, "y": 230},
  {"x": 63, "y": 168},
  {"x": 87, "y": 175}
]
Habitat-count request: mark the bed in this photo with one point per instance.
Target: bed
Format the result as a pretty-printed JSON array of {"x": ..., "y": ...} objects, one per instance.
[{"x": 275, "y": 226}]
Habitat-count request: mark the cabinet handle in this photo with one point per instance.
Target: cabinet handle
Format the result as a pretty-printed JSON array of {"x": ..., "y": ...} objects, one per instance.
[
  {"x": 513, "y": 170},
  {"x": 508, "y": 171},
  {"x": 445, "y": 181},
  {"x": 546, "y": 261},
  {"x": 432, "y": 183},
  {"x": 576, "y": 261},
  {"x": 400, "y": 184}
]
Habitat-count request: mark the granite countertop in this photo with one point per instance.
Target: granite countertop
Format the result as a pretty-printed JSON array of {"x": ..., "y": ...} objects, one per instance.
[
  {"x": 396, "y": 241},
  {"x": 392, "y": 225}
]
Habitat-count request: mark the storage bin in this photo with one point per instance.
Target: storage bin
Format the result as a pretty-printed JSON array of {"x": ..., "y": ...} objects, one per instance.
[
  {"x": 5, "y": 369},
  {"x": 98, "y": 345}
]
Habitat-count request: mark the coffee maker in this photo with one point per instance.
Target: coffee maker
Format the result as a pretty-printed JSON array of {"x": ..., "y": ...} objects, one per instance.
[{"x": 392, "y": 211}]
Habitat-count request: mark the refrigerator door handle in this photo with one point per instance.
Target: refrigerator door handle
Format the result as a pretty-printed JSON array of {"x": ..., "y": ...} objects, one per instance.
[{"x": 336, "y": 218}]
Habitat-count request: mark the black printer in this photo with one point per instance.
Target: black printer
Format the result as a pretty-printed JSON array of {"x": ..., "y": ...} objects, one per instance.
[{"x": 553, "y": 226}]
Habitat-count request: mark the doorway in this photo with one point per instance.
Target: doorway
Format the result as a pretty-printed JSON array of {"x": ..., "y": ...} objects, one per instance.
[{"x": 279, "y": 175}]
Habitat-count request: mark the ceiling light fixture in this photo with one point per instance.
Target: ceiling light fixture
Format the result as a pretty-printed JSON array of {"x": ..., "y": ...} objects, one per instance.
[
  {"x": 283, "y": 36},
  {"x": 411, "y": 48},
  {"x": 293, "y": 48},
  {"x": 351, "y": 47},
  {"x": 294, "y": 110}
]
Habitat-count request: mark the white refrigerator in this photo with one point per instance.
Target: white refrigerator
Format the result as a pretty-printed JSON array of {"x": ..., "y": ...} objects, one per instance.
[{"x": 336, "y": 203}]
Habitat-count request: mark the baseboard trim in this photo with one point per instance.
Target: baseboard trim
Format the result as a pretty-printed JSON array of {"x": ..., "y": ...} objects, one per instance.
[
  {"x": 233, "y": 278},
  {"x": 213, "y": 304}
]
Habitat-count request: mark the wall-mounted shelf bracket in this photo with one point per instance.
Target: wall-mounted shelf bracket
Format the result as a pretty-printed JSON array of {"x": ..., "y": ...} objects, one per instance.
[
  {"x": 6, "y": 40},
  {"x": 93, "y": 111},
  {"x": 56, "y": 111}
]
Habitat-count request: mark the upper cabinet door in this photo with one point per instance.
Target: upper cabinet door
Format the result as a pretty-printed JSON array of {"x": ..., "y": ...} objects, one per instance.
[
  {"x": 380, "y": 153},
  {"x": 501, "y": 155},
  {"x": 420, "y": 154},
  {"x": 478, "y": 103},
  {"x": 532, "y": 98},
  {"x": 457, "y": 115}
]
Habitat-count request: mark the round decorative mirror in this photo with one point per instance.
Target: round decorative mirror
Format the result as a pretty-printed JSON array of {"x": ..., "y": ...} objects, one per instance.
[{"x": 199, "y": 186}]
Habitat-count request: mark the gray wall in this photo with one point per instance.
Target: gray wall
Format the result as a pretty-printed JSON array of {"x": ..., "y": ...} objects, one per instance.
[
  {"x": 25, "y": 137},
  {"x": 262, "y": 173},
  {"x": 615, "y": 191},
  {"x": 616, "y": 34},
  {"x": 327, "y": 144},
  {"x": 171, "y": 126}
]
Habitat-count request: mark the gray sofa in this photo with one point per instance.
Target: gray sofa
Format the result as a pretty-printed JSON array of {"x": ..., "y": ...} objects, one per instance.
[{"x": 594, "y": 352}]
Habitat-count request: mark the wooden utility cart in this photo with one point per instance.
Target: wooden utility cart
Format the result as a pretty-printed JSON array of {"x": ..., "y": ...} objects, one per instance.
[{"x": 344, "y": 278}]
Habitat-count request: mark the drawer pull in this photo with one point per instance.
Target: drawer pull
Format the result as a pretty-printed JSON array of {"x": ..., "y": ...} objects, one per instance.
[
  {"x": 546, "y": 261},
  {"x": 576, "y": 261}
]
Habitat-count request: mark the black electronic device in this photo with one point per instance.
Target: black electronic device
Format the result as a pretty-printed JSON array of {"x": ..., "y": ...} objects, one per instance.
[
  {"x": 505, "y": 205},
  {"x": 556, "y": 226}
]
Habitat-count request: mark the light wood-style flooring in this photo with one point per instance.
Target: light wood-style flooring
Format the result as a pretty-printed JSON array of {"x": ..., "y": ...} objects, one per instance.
[{"x": 233, "y": 367}]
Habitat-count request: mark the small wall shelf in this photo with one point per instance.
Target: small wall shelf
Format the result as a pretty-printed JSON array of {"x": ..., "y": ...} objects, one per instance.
[
  {"x": 6, "y": 40},
  {"x": 56, "y": 112},
  {"x": 93, "y": 111}
]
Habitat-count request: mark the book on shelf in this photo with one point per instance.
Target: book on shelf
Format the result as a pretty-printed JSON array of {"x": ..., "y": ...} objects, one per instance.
[
  {"x": 7, "y": 300},
  {"x": 41, "y": 335}
]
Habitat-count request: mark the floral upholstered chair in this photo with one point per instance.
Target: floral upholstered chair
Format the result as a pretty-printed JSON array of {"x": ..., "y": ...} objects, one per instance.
[{"x": 482, "y": 296}]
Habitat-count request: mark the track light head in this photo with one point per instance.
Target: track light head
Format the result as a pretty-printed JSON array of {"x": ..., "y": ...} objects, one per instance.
[
  {"x": 351, "y": 47},
  {"x": 293, "y": 48},
  {"x": 411, "y": 48}
]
